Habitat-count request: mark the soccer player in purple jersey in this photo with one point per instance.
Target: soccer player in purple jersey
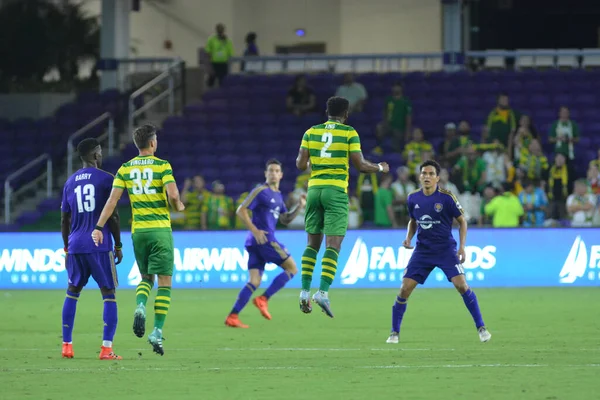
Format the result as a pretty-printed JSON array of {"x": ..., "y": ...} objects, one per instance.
[
  {"x": 84, "y": 196},
  {"x": 432, "y": 211},
  {"x": 267, "y": 206}
]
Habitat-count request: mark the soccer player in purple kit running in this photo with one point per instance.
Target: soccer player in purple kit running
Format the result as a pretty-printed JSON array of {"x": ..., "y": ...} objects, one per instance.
[
  {"x": 432, "y": 211},
  {"x": 267, "y": 206},
  {"x": 84, "y": 196}
]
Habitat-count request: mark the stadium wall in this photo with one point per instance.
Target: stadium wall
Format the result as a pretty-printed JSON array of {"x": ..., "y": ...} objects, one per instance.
[
  {"x": 346, "y": 26},
  {"x": 369, "y": 259}
]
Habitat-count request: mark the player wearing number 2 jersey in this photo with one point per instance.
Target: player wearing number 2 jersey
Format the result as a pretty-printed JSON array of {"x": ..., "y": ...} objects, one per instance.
[
  {"x": 328, "y": 147},
  {"x": 150, "y": 184}
]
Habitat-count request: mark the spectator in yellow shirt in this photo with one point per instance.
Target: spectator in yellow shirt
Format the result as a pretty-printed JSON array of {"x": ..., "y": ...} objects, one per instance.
[
  {"x": 506, "y": 209},
  {"x": 219, "y": 208},
  {"x": 414, "y": 149},
  {"x": 220, "y": 49},
  {"x": 195, "y": 196},
  {"x": 533, "y": 162}
]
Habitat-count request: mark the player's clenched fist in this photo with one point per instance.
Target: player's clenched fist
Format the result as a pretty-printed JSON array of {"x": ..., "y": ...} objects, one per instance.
[{"x": 385, "y": 166}]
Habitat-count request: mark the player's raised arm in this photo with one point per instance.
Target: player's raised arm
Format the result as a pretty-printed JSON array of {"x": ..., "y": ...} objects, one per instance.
[{"x": 289, "y": 216}]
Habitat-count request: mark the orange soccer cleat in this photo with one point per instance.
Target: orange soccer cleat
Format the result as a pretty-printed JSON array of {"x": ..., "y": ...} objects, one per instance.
[
  {"x": 67, "y": 350},
  {"x": 234, "y": 321},
  {"x": 106, "y": 353},
  {"x": 262, "y": 304}
]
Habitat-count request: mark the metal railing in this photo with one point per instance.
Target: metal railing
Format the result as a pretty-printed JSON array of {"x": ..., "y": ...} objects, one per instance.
[
  {"x": 8, "y": 192},
  {"x": 110, "y": 133},
  {"x": 169, "y": 75},
  {"x": 129, "y": 68},
  {"x": 405, "y": 62}
]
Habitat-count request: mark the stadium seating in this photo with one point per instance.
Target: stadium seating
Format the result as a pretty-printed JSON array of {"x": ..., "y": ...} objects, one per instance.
[{"x": 236, "y": 128}]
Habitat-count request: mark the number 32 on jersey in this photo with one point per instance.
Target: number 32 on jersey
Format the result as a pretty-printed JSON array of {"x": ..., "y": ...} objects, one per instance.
[{"x": 142, "y": 181}]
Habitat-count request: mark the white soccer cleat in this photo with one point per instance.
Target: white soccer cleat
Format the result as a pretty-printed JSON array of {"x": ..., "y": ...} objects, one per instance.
[
  {"x": 393, "y": 339},
  {"x": 484, "y": 334},
  {"x": 305, "y": 305}
]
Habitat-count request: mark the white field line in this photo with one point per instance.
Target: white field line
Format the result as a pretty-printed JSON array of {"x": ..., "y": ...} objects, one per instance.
[
  {"x": 296, "y": 368},
  {"x": 483, "y": 348}
]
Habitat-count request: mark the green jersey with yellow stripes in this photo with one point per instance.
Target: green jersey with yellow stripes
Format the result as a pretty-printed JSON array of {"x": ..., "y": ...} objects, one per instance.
[
  {"x": 329, "y": 146},
  {"x": 145, "y": 179}
]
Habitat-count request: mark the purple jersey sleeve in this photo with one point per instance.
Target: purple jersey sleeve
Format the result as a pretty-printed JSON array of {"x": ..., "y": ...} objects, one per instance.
[
  {"x": 410, "y": 206},
  {"x": 65, "y": 206},
  {"x": 453, "y": 206},
  {"x": 254, "y": 198}
]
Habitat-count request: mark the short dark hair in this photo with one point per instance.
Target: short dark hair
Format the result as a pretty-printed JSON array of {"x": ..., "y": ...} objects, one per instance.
[
  {"x": 250, "y": 37},
  {"x": 502, "y": 94},
  {"x": 273, "y": 161},
  {"x": 431, "y": 163},
  {"x": 337, "y": 106},
  {"x": 142, "y": 136},
  {"x": 87, "y": 146}
]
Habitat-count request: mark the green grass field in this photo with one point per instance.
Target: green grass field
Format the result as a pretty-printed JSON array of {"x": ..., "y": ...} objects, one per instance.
[{"x": 545, "y": 346}]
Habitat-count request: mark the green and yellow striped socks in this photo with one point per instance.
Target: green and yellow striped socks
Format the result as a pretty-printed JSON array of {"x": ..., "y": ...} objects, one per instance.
[
  {"x": 161, "y": 306},
  {"x": 142, "y": 292},
  {"x": 329, "y": 267},
  {"x": 309, "y": 259}
]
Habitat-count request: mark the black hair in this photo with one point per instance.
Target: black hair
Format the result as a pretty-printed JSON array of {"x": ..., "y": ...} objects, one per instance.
[
  {"x": 502, "y": 94},
  {"x": 142, "y": 136},
  {"x": 431, "y": 163},
  {"x": 337, "y": 106},
  {"x": 398, "y": 83},
  {"x": 250, "y": 37},
  {"x": 87, "y": 147},
  {"x": 273, "y": 161}
]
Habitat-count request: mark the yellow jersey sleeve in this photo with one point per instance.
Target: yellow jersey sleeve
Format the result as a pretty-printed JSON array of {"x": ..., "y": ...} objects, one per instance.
[
  {"x": 353, "y": 142},
  {"x": 305, "y": 139},
  {"x": 167, "y": 174},
  {"x": 119, "y": 181}
]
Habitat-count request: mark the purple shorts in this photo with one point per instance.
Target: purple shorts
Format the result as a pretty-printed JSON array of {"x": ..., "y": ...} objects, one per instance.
[
  {"x": 101, "y": 266},
  {"x": 271, "y": 252},
  {"x": 420, "y": 265}
]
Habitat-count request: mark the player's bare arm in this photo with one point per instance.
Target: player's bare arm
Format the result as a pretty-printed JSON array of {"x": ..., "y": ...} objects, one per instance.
[
  {"x": 302, "y": 159},
  {"x": 366, "y": 166},
  {"x": 411, "y": 230},
  {"x": 65, "y": 227},
  {"x": 107, "y": 212},
  {"x": 173, "y": 195},
  {"x": 462, "y": 231},
  {"x": 260, "y": 236},
  {"x": 291, "y": 214},
  {"x": 114, "y": 225}
]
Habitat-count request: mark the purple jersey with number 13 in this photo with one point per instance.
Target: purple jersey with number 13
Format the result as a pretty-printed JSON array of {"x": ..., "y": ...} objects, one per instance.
[{"x": 84, "y": 196}]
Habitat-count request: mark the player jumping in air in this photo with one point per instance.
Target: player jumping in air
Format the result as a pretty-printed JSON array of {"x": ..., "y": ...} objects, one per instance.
[
  {"x": 150, "y": 184},
  {"x": 328, "y": 147},
  {"x": 84, "y": 195},
  {"x": 432, "y": 211},
  {"x": 267, "y": 206}
]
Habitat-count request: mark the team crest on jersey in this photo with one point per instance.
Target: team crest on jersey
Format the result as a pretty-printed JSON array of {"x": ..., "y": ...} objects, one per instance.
[{"x": 438, "y": 207}]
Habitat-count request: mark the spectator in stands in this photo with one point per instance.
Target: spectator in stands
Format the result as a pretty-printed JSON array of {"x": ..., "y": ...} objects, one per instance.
[
  {"x": 195, "y": 196},
  {"x": 581, "y": 205},
  {"x": 384, "y": 209},
  {"x": 445, "y": 183},
  {"x": 451, "y": 148},
  {"x": 397, "y": 120},
  {"x": 366, "y": 189},
  {"x": 488, "y": 194},
  {"x": 533, "y": 162},
  {"x": 219, "y": 208},
  {"x": 354, "y": 92},
  {"x": 413, "y": 151},
  {"x": 402, "y": 187},
  {"x": 513, "y": 176},
  {"x": 564, "y": 133},
  {"x": 302, "y": 179},
  {"x": 220, "y": 49},
  {"x": 558, "y": 187},
  {"x": 502, "y": 121},
  {"x": 534, "y": 202},
  {"x": 300, "y": 98},
  {"x": 593, "y": 179},
  {"x": 472, "y": 169},
  {"x": 464, "y": 133},
  {"x": 251, "y": 49},
  {"x": 505, "y": 209},
  {"x": 495, "y": 160},
  {"x": 239, "y": 224},
  {"x": 519, "y": 142}
]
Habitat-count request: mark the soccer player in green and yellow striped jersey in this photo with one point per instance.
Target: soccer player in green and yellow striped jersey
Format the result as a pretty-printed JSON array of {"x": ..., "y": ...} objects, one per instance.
[
  {"x": 328, "y": 148},
  {"x": 150, "y": 184}
]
